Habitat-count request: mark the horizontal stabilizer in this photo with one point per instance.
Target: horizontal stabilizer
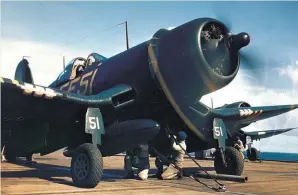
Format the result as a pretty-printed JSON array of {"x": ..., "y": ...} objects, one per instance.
[{"x": 257, "y": 135}]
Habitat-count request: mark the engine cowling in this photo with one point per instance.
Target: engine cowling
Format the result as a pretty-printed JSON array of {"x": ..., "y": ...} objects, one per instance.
[
  {"x": 192, "y": 60},
  {"x": 240, "y": 104}
]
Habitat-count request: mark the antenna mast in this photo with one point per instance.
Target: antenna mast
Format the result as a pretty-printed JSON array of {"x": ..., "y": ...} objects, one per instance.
[{"x": 126, "y": 35}]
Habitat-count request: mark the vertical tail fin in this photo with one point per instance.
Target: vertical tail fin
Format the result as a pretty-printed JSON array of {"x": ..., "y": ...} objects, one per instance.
[{"x": 23, "y": 72}]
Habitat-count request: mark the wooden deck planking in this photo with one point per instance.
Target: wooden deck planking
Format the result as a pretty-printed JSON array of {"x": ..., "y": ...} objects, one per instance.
[{"x": 51, "y": 176}]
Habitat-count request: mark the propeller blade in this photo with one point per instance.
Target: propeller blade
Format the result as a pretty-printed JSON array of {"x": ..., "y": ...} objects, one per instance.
[
  {"x": 222, "y": 17},
  {"x": 252, "y": 60}
]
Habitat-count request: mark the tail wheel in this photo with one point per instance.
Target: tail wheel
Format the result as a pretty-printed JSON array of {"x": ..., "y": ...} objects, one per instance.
[
  {"x": 234, "y": 162},
  {"x": 87, "y": 166},
  {"x": 252, "y": 154}
]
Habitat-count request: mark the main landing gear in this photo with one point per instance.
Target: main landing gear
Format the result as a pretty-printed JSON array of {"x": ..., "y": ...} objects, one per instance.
[
  {"x": 252, "y": 153},
  {"x": 234, "y": 163},
  {"x": 87, "y": 161},
  {"x": 9, "y": 155},
  {"x": 228, "y": 160},
  {"x": 86, "y": 166}
]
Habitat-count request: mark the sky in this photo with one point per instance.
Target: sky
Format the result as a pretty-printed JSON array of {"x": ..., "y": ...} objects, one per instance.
[{"x": 46, "y": 31}]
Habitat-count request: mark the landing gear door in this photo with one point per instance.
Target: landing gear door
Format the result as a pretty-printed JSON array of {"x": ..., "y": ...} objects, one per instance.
[
  {"x": 219, "y": 132},
  {"x": 94, "y": 125}
]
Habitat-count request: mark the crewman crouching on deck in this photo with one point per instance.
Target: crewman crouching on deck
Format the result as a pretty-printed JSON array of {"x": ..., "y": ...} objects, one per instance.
[
  {"x": 176, "y": 158},
  {"x": 239, "y": 145},
  {"x": 137, "y": 158}
]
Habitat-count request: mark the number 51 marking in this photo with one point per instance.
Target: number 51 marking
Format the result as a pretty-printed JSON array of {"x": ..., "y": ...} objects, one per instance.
[
  {"x": 94, "y": 122},
  {"x": 218, "y": 131}
]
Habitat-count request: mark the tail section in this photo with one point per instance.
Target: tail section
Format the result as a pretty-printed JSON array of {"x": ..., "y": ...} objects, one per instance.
[{"x": 23, "y": 72}]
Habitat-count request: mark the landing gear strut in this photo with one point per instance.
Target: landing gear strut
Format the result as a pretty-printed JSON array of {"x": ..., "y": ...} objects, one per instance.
[{"x": 228, "y": 160}]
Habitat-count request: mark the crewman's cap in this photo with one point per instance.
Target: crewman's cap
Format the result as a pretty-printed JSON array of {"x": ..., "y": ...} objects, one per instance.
[{"x": 182, "y": 136}]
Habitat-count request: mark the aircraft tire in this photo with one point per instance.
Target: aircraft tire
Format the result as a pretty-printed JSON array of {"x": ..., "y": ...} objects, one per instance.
[
  {"x": 87, "y": 166},
  {"x": 234, "y": 160},
  {"x": 8, "y": 155},
  {"x": 252, "y": 154}
]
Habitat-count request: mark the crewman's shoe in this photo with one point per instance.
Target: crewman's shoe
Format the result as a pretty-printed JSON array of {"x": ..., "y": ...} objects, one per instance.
[
  {"x": 179, "y": 175},
  {"x": 3, "y": 159},
  {"x": 141, "y": 178}
]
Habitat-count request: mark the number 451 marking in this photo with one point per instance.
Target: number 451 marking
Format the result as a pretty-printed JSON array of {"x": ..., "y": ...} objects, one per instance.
[
  {"x": 218, "y": 131},
  {"x": 94, "y": 122}
]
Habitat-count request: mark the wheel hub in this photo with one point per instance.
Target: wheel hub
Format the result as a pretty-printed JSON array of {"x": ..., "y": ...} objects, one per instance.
[{"x": 81, "y": 166}]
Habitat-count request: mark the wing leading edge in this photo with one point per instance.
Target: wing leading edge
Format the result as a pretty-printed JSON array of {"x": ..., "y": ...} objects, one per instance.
[
  {"x": 247, "y": 115},
  {"x": 21, "y": 99},
  {"x": 237, "y": 118},
  {"x": 13, "y": 87}
]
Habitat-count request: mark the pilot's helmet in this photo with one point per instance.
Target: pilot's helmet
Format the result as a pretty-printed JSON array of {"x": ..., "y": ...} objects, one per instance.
[
  {"x": 91, "y": 60},
  {"x": 182, "y": 136}
]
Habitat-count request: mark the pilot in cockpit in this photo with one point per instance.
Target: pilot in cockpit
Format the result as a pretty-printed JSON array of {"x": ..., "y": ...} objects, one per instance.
[
  {"x": 90, "y": 60},
  {"x": 79, "y": 66},
  {"x": 95, "y": 58}
]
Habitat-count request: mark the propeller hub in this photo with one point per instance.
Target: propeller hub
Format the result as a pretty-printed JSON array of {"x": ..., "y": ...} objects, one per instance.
[{"x": 240, "y": 40}]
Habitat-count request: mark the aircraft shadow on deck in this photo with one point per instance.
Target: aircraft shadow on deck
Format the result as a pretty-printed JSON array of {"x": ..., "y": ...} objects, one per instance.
[{"x": 55, "y": 173}]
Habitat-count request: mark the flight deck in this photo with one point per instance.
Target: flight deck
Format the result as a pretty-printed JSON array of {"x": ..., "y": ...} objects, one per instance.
[{"x": 51, "y": 175}]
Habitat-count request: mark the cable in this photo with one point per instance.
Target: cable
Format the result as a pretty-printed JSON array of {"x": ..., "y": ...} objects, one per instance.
[
  {"x": 222, "y": 187},
  {"x": 171, "y": 134},
  {"x": 89, "y": 35}
]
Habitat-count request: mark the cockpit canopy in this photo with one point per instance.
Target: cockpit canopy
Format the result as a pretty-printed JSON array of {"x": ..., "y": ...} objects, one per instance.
[
  {"x": 76, "y": 66},
  {"x": 95, "y": 58}
]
